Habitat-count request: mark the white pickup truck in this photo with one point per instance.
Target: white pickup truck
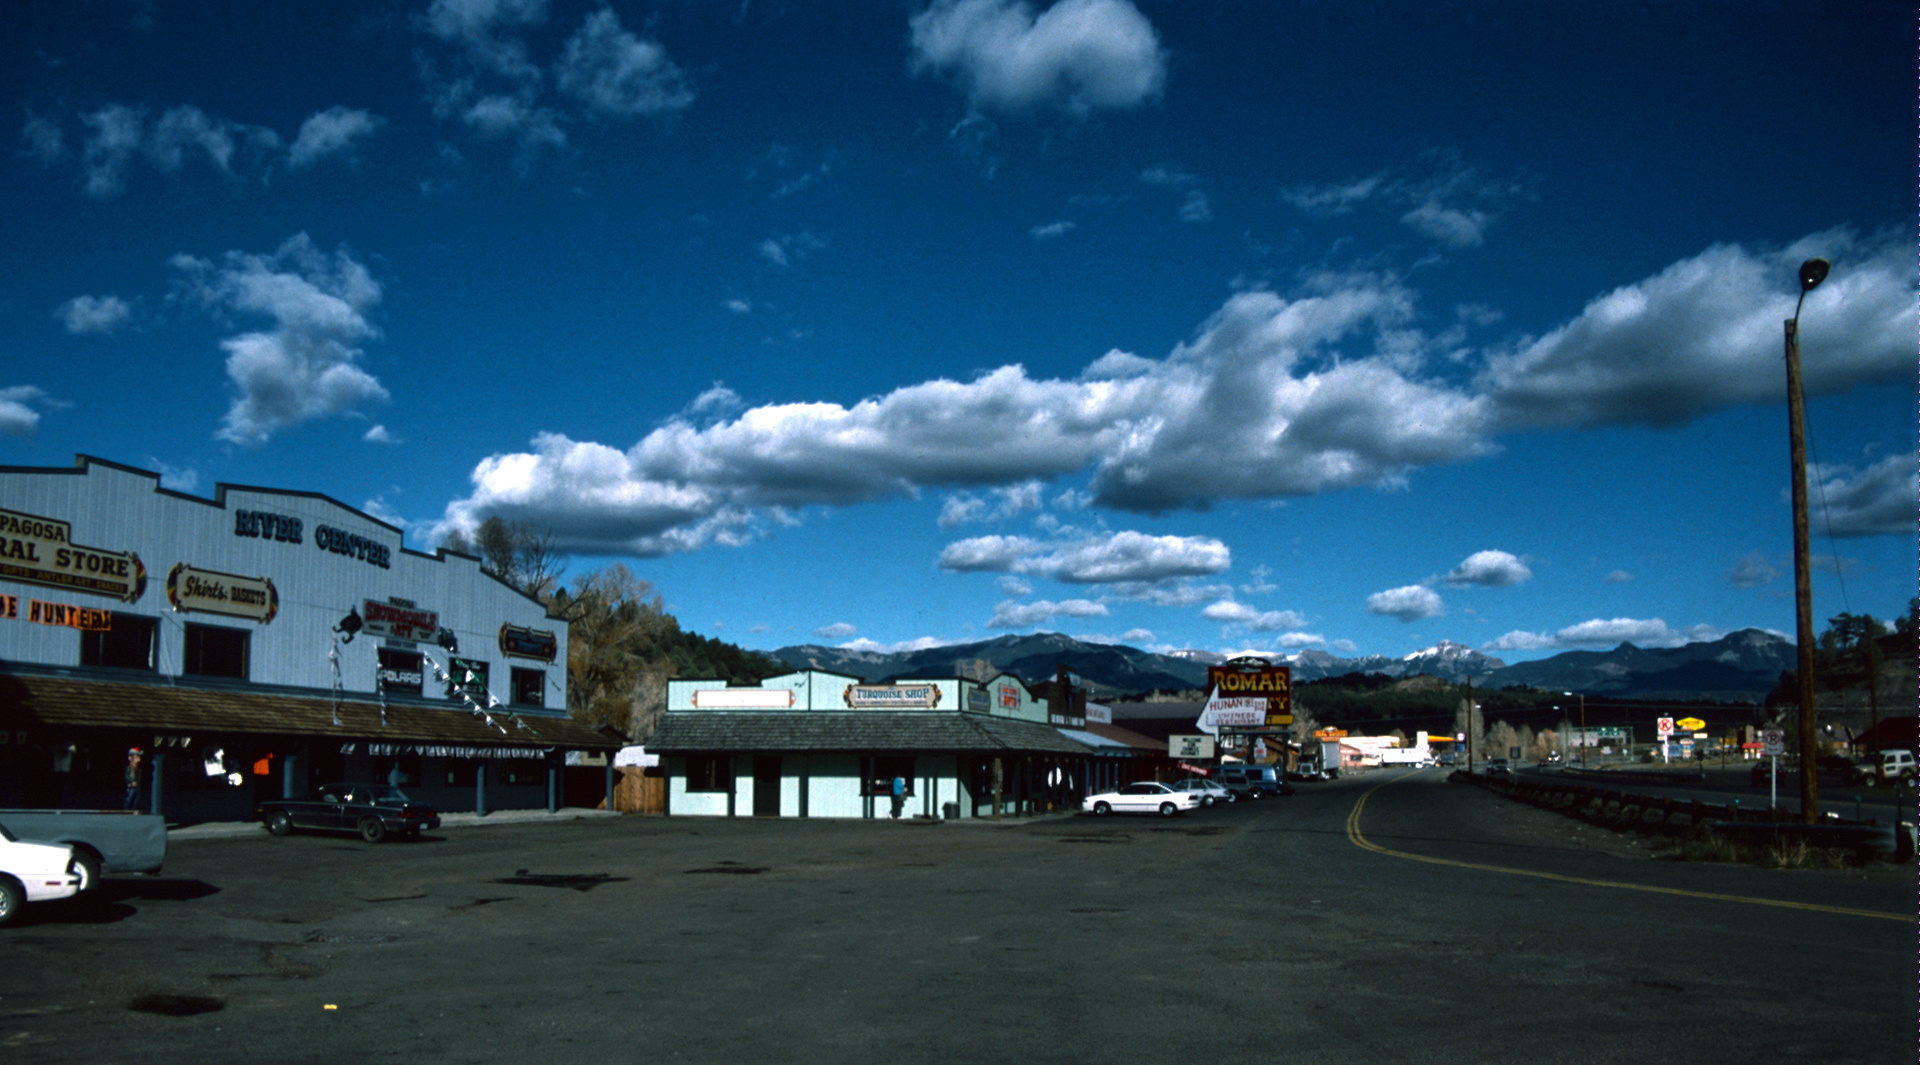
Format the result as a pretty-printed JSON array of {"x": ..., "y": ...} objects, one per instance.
[
  {"x": 103, "y": 841},
  {"x": 33, "y": 872}
]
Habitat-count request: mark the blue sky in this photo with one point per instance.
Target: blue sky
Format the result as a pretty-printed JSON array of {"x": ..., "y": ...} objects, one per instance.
[{"x": 1261, "y": 326}]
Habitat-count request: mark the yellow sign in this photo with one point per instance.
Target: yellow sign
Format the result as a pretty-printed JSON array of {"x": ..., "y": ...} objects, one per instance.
[
  {"x": 222, "y": 593},
  {"x": 1691, "y": 724},
  {"x": 36, "y": 550}
]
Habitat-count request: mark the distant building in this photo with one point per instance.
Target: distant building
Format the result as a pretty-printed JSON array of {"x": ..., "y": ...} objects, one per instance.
[
  {"x": 818, "y": 744},
  {"x": 255, "y": 644}
]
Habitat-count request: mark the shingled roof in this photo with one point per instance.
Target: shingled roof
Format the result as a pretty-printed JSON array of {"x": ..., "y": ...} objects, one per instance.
[
  {"x": 28, "y": 700},
  {"x": 706, "y": 730}
]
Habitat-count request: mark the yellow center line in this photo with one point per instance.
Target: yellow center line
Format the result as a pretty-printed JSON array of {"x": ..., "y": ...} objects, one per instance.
[{"x": 1361, "y": 841}]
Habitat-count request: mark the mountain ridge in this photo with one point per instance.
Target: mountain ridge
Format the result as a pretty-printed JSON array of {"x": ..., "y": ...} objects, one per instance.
[{"x": 1739, "y": 667}]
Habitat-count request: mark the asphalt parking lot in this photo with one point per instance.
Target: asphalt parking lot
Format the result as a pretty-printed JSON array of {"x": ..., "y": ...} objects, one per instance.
[{"x": 1245, "y": 932}]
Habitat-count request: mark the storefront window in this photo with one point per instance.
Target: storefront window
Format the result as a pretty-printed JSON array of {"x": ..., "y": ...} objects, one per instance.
[
  {"x": 529, "y": 687},
  {"x": 710, "y": 772},
  {"x": 127, "y": 645},
  {"x": 212, "y": 651},
  {"x": 876, "y": 776},
  {"x": 400, "y": 671}
]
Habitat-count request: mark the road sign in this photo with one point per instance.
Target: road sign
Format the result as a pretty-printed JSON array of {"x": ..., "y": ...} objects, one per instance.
[
  {"x": 1666, "y": 727},
  {"x": 1773, "y": 742},
  {"x": 1691, "y": 724}
]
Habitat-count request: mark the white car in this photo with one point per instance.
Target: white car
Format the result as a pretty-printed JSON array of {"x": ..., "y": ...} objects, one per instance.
[
  {"x": 1208, "y": 791},
  {"x": 1144, "y": 797},
  {"x": 34, "y": 872}
]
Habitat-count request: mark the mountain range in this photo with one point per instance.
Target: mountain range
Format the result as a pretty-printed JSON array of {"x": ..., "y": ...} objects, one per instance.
[{"x": 1740, "y": 667}]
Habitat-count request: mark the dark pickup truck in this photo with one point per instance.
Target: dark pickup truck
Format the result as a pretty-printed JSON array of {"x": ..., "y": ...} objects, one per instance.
[{"x": 372, "y": 810}]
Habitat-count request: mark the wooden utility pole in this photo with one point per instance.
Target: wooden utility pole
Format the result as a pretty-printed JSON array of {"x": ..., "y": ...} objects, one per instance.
[{"x": 1812, "y": 272}]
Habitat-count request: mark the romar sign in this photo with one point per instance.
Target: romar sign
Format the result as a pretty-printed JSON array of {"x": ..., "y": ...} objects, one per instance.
[
  {"x": 1246, "y": 678},
  {"x": 36, "y": 550}
]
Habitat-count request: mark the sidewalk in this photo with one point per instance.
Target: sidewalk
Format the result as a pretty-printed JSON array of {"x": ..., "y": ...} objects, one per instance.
[{"x": 224, "y": 829}]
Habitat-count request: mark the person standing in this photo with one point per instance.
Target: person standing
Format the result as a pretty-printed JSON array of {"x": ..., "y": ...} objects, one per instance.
[
  {"x": 133, "y": 780},
  {"x": 899, "y": 795}
]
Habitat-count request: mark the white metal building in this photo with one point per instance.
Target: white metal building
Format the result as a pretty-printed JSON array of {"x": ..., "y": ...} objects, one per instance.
[{"x": 257, "y": 643}]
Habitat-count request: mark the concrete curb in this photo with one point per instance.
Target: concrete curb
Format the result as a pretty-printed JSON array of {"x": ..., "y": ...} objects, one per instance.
[{"x": 229, "y": 829}]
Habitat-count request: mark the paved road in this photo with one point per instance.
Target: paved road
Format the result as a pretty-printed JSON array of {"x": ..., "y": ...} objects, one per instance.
[
  {"x": 1374, "y": 919},
  {"x": 1719, "y": 785}
]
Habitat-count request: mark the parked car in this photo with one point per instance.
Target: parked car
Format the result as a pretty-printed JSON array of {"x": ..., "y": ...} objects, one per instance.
[
  {"x": 1499, "y": 769},
  {"x": 34, "y": 872},
  {"x": 1893, "y": 765},
  {"x": 1249, "y": 781},
  {"x": 1307, "y": 771},
  {"x": 373, "y": 810},
  {"x": 1143, "y": 797},
  {"x": 1208, "y": 791}
]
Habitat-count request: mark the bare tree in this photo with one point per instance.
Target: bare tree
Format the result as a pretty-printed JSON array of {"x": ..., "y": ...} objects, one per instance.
[{"x": 516, "y": 553}]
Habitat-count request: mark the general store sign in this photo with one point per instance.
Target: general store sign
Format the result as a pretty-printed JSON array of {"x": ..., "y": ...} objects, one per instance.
[
  {"x": 892, "y": 696},
  {"x": 36, "y": 550},
  {"x": 208, "y": 592}
]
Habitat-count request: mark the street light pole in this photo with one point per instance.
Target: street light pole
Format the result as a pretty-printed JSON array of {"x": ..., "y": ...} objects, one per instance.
[{"x": 1812, "y": 272}]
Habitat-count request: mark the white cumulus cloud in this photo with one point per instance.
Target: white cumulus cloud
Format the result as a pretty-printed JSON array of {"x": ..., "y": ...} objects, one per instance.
[
  {"x": 306, "y": 365},
  {"x": 1012, "y": 615},
  {"x": 1608, "y": 633},
  {"x": 17, "y": 416},
  {"x": 329, "y": 132},
  {"x": 1705, "y": 334},
  {"x": 1078, "y": 55},
  {"x": 1877, "y": 501},
  {"x": 1102, "y": 559},
  {"x": 94, "y": 314},
  {"x": 1489, "y": 569},
  {"x": 1414, "y": 602}
]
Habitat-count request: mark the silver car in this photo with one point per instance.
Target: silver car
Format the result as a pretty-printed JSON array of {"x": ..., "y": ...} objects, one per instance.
[{"x": 1208, "y": 791}]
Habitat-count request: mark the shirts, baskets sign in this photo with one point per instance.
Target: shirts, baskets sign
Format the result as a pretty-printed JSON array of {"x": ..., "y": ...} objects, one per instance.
[{"x": 208, "y": 592}]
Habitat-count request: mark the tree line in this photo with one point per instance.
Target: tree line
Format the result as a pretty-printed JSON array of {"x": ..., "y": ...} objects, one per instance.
[{"x": 622, "y": 645}]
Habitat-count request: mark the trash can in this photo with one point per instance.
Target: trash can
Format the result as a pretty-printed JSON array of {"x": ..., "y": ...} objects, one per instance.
[{"x": 950, "y": 811}]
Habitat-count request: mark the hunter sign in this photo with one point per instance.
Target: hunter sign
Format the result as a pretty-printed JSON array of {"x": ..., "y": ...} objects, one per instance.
[{"x": 36, "y": 550}]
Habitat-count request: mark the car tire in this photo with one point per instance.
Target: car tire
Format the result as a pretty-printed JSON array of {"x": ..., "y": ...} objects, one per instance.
[
  {"x": 372, "y": 829},
  {"x": 1231, "y": 797},
  {"x": 279, "y": 823},
  {"x": 87, "y": 867},
  {"x": 1206, "y": 800},
  {"x": 1168, "y": 809},
  {"x": 12, "y": 898},
  {"x": 1101, "y": 809}
]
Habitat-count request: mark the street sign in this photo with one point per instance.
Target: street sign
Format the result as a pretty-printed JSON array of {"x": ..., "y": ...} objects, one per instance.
[
  {"x": 1773, "y": 742},
  {"x": 1666, "y": 727}
]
